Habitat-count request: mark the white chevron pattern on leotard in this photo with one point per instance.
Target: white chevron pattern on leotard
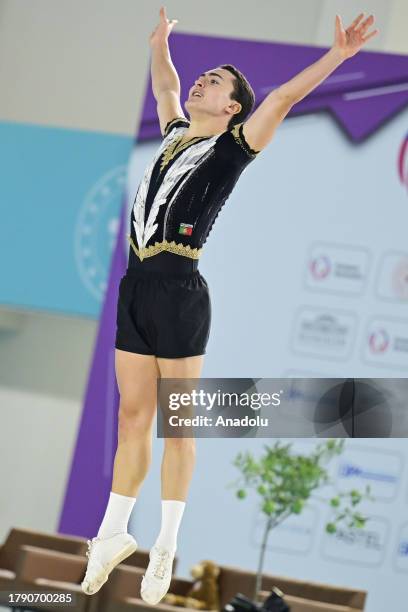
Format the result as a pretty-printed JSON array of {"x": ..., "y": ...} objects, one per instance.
[{"x": 186, "y": 162}]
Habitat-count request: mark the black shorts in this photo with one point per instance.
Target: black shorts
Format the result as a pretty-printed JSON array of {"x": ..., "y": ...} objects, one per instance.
[{"x": 163, "y": 314}]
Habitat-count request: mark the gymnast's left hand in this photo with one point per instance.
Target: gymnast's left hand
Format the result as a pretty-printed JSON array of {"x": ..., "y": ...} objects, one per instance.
[{"x": 349, "y": 41}]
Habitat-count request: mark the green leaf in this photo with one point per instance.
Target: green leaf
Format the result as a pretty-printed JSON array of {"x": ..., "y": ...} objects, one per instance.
[
  {"x": 335, "y": 502},
  {"x": 268, "y": 507},
  {"x": 241, "y": 494},
  {"x": 331, "y": 528},
  {"x": 297, "y": 506}
]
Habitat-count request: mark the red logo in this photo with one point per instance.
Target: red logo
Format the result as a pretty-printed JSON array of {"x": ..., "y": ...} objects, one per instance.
[
  {"x": 403, "y": 162},
  {"x": 320, "y": 267},
  {"x": 379, "y": 341}
]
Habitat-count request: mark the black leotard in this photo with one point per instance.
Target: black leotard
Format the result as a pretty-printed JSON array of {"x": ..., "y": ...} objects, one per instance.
[{"x": 179, "y": 197}]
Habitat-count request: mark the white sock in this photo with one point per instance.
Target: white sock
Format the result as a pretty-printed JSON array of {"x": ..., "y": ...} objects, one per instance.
[
  {"x": 117, "y": 515},
  {"x": 172, "y": 513}
]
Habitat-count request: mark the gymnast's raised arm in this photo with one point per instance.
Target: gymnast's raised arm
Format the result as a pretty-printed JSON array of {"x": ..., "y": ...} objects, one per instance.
[
  {"x": 165, "y": 80},
  {"x": 261, "y": 125}
]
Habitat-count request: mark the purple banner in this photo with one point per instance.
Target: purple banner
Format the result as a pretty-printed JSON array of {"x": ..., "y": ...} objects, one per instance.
[
  {"x": 90, "y": 476},
  {"x": 362, "y": 93}
]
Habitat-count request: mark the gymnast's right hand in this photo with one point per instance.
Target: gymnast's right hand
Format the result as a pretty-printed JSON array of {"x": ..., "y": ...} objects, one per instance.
[{"x": 162, "y": 31}]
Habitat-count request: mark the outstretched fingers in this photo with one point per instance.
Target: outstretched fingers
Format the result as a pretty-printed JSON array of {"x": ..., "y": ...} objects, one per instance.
[
  {"x": 366, "y": 23},
  {"x": 339, "y": 27},
  {"x": 373, "y": 33},
  {"x": 355, "y": 22},
  {"x": 163, "y": 16}
]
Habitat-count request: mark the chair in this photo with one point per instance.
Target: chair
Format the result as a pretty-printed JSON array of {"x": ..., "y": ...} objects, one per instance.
[
  {"x": 39, "y": 570},
  {"x": 322, "y": 596},
  {"x": 122, "y": 593},
  {"x": 42, "y": 562},
  {"x": 17, "y": 537},
  {"x": 233, "y": 580},
  {"x": 300, "y": 604}
]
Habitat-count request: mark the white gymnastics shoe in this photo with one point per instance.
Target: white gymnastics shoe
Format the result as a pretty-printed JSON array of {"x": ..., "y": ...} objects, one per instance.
[
  {"x": 103, "y": 555},
  {"x": 156, "y": 581}
]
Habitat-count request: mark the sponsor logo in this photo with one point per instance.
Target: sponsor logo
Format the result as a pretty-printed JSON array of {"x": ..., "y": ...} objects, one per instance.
[
  {"x": 349, "y": 470},
  {"x": 403, "y": 162},
  {"x": 392, "y": 277},
  {"x": 320, "y": 267},
  {"x": 365, "y": 546},
  {"x": 401, "y": 556},
  {"x": 319, "y": 332},
  {"x": 379, "y": 341},
  {"x": 386, "y": 342},
  {"x": 337, "y": 269},
  {"x": 376, "y": 467}
]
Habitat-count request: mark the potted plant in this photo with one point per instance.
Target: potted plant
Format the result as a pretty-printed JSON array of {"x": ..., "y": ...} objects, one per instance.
[{"x": 286, "y": 481}]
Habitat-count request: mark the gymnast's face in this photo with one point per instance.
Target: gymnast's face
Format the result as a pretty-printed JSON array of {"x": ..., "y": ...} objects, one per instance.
[{"x": 215, "y": 86}]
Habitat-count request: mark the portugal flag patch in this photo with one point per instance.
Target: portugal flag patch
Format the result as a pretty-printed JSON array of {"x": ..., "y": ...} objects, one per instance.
[{"x": 186, "y": 229}]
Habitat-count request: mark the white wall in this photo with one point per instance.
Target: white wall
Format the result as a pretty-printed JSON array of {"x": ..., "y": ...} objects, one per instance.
[
  {"x": 45, "y": 353},
  {"x": 37, "y": 437},
  {"x": 84, "y": 63}
]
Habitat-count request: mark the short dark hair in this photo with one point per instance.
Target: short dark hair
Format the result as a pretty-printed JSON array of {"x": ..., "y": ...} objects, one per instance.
[{"x": 242, "y": 93}]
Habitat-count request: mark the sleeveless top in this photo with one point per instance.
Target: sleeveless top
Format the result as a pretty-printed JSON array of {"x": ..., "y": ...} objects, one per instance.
[{"x": 180, "y": 195}]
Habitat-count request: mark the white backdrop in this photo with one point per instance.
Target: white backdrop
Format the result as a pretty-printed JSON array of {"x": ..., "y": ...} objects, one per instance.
[{"x": 312, "y": 283}]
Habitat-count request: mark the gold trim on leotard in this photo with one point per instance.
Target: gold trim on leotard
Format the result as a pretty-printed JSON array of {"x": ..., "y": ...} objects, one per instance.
[
  {"x": 158, "y": 247},
  {"x": 169, "y": 125},
  {"x": 238, "y": 134},
  {"x": 174, "y": 148}
]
